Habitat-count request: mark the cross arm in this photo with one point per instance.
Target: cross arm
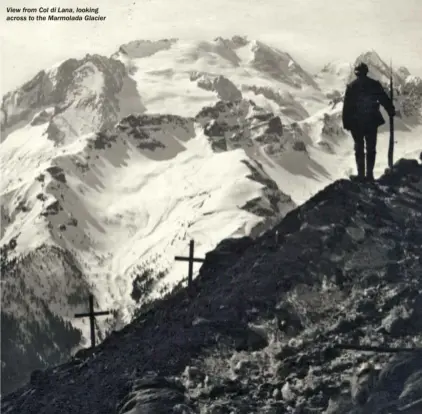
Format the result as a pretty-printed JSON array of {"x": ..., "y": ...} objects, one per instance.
[
  {"x": 81, "y": 315},
  {"x": 188, "y": 259},
  {"x": 85, "y": 315},
  {"x": 102, "y": 313}
]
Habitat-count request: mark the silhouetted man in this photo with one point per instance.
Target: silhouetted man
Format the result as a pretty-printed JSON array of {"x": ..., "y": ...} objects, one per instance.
[{"x": 362, "y": 117}]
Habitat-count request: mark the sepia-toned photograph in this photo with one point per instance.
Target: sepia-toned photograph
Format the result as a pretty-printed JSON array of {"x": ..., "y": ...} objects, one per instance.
[{"x": 211, "y": 207}]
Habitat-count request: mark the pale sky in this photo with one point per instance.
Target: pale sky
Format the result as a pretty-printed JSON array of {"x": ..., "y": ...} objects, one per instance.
[{"x": 313, "y": 31}]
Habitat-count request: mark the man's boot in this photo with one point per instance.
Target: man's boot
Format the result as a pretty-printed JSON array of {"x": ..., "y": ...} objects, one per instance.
[{"x": 370, "y": 163}]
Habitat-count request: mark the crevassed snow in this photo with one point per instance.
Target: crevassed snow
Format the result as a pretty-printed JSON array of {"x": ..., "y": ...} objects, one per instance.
[{"x": 162, "y": 78}]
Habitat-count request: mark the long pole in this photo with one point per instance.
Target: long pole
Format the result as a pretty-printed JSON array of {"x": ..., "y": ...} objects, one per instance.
[
  {"x": 92, "y": 320},
  {"x": 391, "y": 143},
  {"x": 190, "y": 272}
]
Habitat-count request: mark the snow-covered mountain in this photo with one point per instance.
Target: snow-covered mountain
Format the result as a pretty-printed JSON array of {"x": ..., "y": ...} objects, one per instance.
[{"x": 110, "y": 165}]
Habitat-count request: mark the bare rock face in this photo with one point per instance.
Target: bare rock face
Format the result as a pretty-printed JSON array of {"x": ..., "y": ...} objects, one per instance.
[
  {"x": 240, "y": 124},
  {"x": 225, "y": 89},
  {"x": 273, "y": 203},
  {"x": 75, "y": 98},
  {"x": 289, "y": 106},
  {"x": 226, "y": 124}
]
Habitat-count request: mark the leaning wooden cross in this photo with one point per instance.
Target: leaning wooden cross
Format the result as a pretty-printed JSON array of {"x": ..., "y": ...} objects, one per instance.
[
  {"x": 191, "y": 259},
  {"x": 91, "y": 314}
]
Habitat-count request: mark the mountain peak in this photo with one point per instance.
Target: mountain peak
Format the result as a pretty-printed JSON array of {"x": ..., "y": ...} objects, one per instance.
[
  {"x": 279, "y": 65},
  {"x": 370, "y": 57},
  {"x": 75, "y": 97},
  {"x": 379, "y": 69},
  {"x": 234, "y": 42},
  {"x": 146, "y": 48}
]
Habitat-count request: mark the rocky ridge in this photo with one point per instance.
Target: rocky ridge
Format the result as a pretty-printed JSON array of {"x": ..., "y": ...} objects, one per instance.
[
  {"x": 243, "y": 124},
  {"x": 258, "y": 333},
  {"x": 225, "y": 89}
]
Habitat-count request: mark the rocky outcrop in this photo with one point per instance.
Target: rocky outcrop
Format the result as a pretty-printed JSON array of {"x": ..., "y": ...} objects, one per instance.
[
  {"x": 240, "y": 124},
  {"x": 225, "y": 89},
  {"x": 75, "y": 98},
  {"x": 288, "y": 105},
  {"x": 258, "y": 332},
  {"x": 243, "y": 124},
  {"x": 272, "y": 204},
  {"x": 156, "y": 132}
]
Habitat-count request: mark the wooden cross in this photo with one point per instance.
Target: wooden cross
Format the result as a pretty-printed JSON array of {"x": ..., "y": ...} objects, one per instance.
[
  {"x": 91, "y": 314},
  {"x": 191, "y": 260}
]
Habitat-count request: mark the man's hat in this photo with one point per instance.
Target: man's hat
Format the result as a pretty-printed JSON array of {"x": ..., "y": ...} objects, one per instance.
[{"x": 361, "y": 69}]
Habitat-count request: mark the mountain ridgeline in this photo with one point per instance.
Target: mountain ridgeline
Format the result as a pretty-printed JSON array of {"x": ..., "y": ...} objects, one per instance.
[{"x": 110, "y": 165}]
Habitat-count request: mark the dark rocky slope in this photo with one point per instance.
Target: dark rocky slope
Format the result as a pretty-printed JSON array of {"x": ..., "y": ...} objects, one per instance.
[
  {"x": 34, "y": 331},
  {"x": 257, "y": 336}
]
